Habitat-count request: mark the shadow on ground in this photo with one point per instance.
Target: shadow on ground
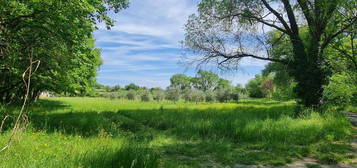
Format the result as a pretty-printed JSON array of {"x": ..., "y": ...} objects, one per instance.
[{"x": 224, "y": 136}]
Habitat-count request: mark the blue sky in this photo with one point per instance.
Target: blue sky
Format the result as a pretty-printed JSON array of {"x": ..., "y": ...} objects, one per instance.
[{"x": 143, "y": 47}]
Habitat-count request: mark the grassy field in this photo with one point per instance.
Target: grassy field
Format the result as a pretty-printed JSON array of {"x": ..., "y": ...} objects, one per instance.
[{"x": 96, "y": 132}]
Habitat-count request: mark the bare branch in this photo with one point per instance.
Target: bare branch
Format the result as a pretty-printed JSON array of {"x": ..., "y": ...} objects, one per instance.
[{"x": 281, "y": 19}]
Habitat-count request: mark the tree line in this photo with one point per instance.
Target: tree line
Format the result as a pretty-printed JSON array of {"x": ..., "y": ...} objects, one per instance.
[{"x": 205, "y": 86}]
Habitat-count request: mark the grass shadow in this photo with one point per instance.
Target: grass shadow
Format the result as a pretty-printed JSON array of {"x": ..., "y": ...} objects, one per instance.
[{"x": 246, "y": 134}]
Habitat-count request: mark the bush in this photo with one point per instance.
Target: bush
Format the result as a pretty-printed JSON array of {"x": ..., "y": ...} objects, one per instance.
[
  {"x": 173, "y": 94},
  {"x": 223, "y": 95},
  {"x": 235, "y": 96},
  {"x": 158, "y": 95},
  {"x": 338, "y": 92},
  {"x": 146, "y": 96},
  {"x": 112, "y": 95},
  {"x": 210, "y": 96},
  {"x": 131, "y": 95},
  {"x": 194, "y": 95},
  {"x": 284, "y": 93}
]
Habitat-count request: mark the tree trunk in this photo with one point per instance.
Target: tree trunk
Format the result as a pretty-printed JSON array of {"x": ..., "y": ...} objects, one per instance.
[{"x": 310, "y": 76}]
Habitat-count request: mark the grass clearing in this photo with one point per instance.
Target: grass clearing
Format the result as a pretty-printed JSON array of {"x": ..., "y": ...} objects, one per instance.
[{"x": 97, "y": 132}]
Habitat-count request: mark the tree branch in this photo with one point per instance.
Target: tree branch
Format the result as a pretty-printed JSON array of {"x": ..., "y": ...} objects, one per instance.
[
  {"x": 331, "y": 37},
  {"x": 281, "y": 19},
  {"x": 305, "y": 9}
]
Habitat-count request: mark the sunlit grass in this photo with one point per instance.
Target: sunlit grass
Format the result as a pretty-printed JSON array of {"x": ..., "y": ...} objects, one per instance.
[{"x": 98, "y": 132}]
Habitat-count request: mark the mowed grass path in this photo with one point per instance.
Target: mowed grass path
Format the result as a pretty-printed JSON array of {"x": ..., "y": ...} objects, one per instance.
[{"x": 98, "y": 132}]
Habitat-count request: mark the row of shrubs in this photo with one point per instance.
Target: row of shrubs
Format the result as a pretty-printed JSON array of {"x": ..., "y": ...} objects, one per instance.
[{"x": 190, "y": 95}]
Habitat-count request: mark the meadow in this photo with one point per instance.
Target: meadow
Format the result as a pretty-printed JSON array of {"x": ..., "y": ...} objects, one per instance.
[{"x": 99, "y": 132}]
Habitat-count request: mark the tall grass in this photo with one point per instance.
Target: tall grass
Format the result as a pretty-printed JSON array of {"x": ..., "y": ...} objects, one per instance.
[{"x": 97, "y": 132}]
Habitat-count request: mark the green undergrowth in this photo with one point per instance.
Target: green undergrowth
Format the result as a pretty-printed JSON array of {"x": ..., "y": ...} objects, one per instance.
[{"x": 96, "y": 132}]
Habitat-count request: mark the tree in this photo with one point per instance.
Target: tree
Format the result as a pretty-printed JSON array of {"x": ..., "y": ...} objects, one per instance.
[
  {"x": 146, "y": 96},
  {"x": 253, "y": 87},
  {"x": 226, "y": 31},
  {"x": 173, "y": 94},
  {"x": 224, "y": 84},
  {"x": 223, "y": 95},
  {"x": 132, "y": 86},
  {"x": 132, "y": 95},
  {"x": 158, "y": 94},
  {"x": 181, "y": 81},
  {"x": 210, "y": 96},
  {"x": 206, "y": 80},
  {"x": 116, "y": 88},
  {"x": 267, "y": 88},
  {"x": 55, "y": 38}
]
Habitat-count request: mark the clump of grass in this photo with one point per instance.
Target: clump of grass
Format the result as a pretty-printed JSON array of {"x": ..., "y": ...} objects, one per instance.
[{"x": 129, "y": 155}]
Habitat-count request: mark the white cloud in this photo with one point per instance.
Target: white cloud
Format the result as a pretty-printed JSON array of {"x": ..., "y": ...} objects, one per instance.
[
  {"x": 143, "y": 46},
  {"x": 159, "y": 18}
]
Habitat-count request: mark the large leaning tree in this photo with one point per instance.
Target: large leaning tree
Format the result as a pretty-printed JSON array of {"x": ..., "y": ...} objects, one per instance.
[
  {"x": 50, "y": 41},
  {"x": 226, "y": 31}
]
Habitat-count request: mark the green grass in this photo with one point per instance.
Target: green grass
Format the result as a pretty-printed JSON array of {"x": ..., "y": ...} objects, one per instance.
[
  {"x": 352, "y": 109},
  {"x": 96, "y": 132}
]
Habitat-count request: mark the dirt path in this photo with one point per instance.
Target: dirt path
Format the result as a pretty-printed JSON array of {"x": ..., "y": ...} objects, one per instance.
[{"x": 312, "y": 163}]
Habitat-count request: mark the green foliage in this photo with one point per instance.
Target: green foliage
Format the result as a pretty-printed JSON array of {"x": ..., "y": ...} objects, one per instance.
[
  {"x": 132, "y": 86},
  {"x": 181, "y": 81},
  {"x": 210, "y": 96},
  {"x": 206, "y": 80},
  {"x": 158, "y": 94},
  {"x": 131, "y": 95},
  {"x": 223, "y": 95},
  {"x": 57, "y": 36},
  {"x": 225, "y": 32},
  {"x": 339, "y": 92},
  {"x": 194, "y": 95},
  {"x": 146, "y": 96},
  {"x": 253, "y": 87},
  {"x": 173, "y": 94}
]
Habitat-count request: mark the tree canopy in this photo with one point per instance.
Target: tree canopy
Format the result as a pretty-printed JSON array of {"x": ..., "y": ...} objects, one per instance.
[
  {"x": 54, "y": 36},
  {"x": 226, "y": 31}
]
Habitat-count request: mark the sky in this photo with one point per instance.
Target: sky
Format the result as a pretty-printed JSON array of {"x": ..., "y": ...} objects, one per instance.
[{"x": 144, "y": 46}]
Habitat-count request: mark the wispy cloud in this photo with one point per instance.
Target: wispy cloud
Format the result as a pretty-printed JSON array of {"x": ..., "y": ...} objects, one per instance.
[{"x": 143, "y": 46}]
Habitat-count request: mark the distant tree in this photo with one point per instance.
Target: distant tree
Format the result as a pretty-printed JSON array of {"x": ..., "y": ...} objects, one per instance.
[
  {"x": 197, "y": 96},
  {"x": 173, "y": 94},
  {"x": 194, "y": 95},
  {"x": 267, "y": 87},
  {"x": 131, "y": 95},
  {"x": 107, "y": 88},
  {"x": 121, "y": 94},
  {"x": 181, "y": 81},
  {"x": 210, "y": 96},
  {"x": 146, "y": 96},
  {"x": 132, "y": 86},
  {"x": 116, "y": 88},
  {"x": 223, "y": 95},
  {"x": 158, "y": 94},
  {"x": 253, "y": 87},
  {"x": 223, "y": 84},
  {"x": 206, "y": 80}
]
